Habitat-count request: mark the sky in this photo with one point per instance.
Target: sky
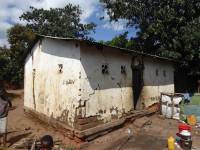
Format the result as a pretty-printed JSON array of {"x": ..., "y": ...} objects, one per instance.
[{"x": 92, "y": 10}]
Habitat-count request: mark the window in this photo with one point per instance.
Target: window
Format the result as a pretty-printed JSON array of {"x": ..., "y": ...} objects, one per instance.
[
  {"x": 104, "y": 69},
  {"x": 156, "y": 72},
  {"x": 123, "y": 69},
  {"x": 60, "y": 68}
]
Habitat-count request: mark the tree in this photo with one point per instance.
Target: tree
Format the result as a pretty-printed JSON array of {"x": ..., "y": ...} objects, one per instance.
[
  {"x": 3, "y": 61},
  {"x": 20, "y": 38},
  {"x": 60, "y": 22},
  {"x": 121, "y": 41},
  {"x": 166, "y": 27}
]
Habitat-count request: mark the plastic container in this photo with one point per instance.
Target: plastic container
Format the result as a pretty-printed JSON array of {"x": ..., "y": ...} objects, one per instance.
[
  {"x": 186, "y": 144},
  {"x": 170, "y": 142},
  {"x": 185, "y": 139},
  {"x": 183, "y": 126},
  {"x": 191, "y": 120},
  {"x": 184, "y": 134}
]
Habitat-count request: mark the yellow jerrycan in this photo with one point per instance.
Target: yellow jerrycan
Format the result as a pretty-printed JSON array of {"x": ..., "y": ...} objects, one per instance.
[{"x": 170, "y": 142}]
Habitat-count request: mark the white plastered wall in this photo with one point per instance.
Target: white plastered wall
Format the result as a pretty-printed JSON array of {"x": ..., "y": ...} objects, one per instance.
[
  {"x": 28, "y": 75},
  {"x": 56, "y": 92},
  {"x": 155, "y": 83},
  {"x": 105, "y": 95}
]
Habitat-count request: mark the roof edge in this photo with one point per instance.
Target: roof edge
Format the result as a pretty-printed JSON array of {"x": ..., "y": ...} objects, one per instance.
[{"x": 40, "y": 36}]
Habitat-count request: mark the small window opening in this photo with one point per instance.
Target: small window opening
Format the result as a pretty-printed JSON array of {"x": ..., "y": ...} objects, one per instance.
[
  {"x": 104, "y": 69},
  {"x": 156, "y": 72},
  {"x": 34, "y": 70},
  {"x": 123, "y": 69},
  {"x": 60, "y": 68}
]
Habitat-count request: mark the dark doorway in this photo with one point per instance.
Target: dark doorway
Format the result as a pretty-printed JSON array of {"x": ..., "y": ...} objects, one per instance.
[{"x": 137, "y": 82}]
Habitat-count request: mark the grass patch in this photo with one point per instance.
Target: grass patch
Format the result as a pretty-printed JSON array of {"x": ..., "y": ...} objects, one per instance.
[
  {"x": 195, "y": 100},
  {"x": 191, "y": 108}
]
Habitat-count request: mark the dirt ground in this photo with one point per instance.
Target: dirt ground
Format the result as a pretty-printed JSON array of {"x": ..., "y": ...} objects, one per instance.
[
  {"x": 149, "y": 137},
  {"x": 21, "y": 127}
]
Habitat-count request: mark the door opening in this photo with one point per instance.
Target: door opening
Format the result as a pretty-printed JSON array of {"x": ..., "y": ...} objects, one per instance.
[{"x": 137, "y": 82}]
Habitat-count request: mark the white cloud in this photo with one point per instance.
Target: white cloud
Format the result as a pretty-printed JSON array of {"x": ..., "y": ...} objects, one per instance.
[
  {"x": 10, "y": 10},
  {"x": 3, "y": 41},
  {"x": 116, "y": 26},
  {"x": 4, "y": 26}
]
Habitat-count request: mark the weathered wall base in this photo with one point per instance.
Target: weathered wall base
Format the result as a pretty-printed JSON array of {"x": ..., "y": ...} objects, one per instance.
[
  {"x": 86, "y": 123},
  {"x": 68, "y": 131},
  {"x": 92, "y": 132}
]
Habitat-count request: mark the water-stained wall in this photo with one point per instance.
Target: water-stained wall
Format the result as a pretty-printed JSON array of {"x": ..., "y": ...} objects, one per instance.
[
  {"x": 80, "y": 83},
  {"x": 29, "y": 74},
  {"x": 158, "y": 77},
  {"x": 106, "y": 82},
  {"x": 55, "y": 71}
]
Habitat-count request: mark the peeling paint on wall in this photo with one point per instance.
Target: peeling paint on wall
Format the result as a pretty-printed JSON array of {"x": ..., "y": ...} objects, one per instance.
[
  {"x": 148, "y": 101},
  {"x": 56, "y": 94},
  {"x": 79, "y": 93},
  {"x": 155, "y": 85},
  {"x": 105, "y": 91}
]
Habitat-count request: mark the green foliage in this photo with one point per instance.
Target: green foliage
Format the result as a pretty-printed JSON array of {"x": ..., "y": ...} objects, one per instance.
[
  {"x": 3, "y": 61},
  {"x": 19, "y": 38},
  {"x": 121, "y": 41},
  {"x": 60, "y": 22},
  {"x": 166, "y": 27}
]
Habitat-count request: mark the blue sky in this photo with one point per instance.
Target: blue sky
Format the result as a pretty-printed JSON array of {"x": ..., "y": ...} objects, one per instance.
[
  {"x": 10, "y": 10},
  {"x": 106, "y": 30}
]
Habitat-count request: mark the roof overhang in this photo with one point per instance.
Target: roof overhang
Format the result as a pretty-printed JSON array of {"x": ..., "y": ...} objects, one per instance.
[{"x": 129, "y": 51}]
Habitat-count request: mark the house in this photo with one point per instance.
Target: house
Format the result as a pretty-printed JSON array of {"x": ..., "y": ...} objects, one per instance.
[{"x": 84, "y": 84}]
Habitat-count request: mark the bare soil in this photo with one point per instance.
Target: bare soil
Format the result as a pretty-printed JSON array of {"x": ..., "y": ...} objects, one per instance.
[
  {"x": 21, "y": 126},
  {"x": 152, "y": 136},
  {"x": 149, "y": 137}
]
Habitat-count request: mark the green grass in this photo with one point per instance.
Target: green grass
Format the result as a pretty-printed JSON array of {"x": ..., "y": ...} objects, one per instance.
[
  {"x": 192, "y": 108},
  {"x": 195, "y": 100}
]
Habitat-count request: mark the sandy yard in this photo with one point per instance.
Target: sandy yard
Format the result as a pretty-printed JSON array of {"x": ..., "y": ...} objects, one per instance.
[
  {"x": 21, "y": 127},
  {"x": 152, "y": 136},
  {"x": 149, "y": 137}
]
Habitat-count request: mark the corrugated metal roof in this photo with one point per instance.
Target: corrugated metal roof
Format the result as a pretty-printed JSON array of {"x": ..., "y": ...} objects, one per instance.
[{"x": 133, "y": 52}]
